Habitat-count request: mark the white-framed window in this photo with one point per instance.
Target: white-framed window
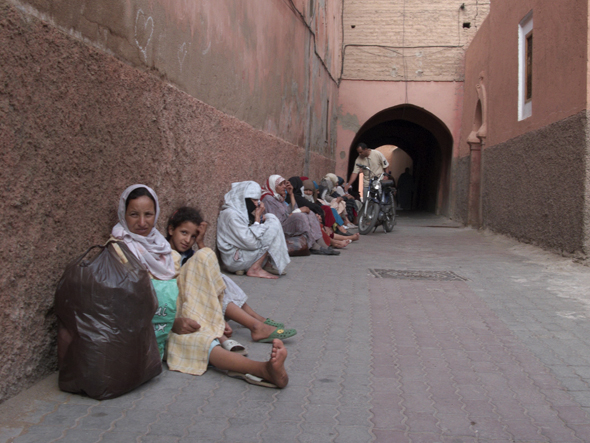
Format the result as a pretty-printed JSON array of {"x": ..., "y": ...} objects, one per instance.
[{"x": 525, "y": 67}]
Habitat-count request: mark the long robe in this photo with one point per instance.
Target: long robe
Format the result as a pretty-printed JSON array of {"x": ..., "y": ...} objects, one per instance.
[
  {"x": 240, "y": 243},
  {"x": 294, "y": 223}
]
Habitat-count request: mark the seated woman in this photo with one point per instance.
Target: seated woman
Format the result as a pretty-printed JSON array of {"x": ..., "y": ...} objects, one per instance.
[
  {"x": 246, "y": 238},
  {"x": 193, "y": 342},
  {"x": 329, "y": 221},
  {"x": 304, "y": 197},
  {"x": 329, "y": 195},
  {"x": 185, "y": 228},
  {"x": 294, "y": 220}
]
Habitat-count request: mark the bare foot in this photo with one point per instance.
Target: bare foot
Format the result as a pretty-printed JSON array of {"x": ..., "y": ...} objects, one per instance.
[
  {"x": 340, "y": 244},
  {"x": 275, "y": 366},
  {"x": 259, "y": 272},
  {"x": 261, "y": 330},
  {"x": 355, "y": 237}
]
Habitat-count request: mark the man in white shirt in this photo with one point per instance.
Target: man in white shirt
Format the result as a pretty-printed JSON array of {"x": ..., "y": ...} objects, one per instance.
[{"x": 371, "y": 158}]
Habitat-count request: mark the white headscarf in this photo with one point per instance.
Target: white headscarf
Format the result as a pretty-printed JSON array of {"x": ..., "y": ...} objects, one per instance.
[
  {"x": 332, "y": 177},
  {"x": 153, "y": 250},
  {"x": 236, "y": 198},
  {"x": 270, "y": 187}
]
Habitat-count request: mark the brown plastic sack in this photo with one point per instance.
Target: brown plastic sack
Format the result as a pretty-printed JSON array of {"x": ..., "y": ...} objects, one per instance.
[
  {"x": 297, "y": 246},
  {"x": 106, "y": 341}
]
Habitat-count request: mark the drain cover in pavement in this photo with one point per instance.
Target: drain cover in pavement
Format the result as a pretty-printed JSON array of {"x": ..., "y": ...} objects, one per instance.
[{"x": 417, "y": 275}]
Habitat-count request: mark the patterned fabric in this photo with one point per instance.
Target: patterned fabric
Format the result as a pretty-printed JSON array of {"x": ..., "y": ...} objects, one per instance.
[
  {"x": 167, "y": 293},
  {"x": 200, "y": 298}
]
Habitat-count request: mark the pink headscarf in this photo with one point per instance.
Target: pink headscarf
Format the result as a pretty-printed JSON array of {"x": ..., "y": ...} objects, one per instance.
[
  {"x": 270, "y": 187},
  {"x": 153, "y": 250}
]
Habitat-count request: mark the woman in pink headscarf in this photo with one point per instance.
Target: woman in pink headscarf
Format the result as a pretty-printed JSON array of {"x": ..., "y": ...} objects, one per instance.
[{"x": 294, "y": 220}]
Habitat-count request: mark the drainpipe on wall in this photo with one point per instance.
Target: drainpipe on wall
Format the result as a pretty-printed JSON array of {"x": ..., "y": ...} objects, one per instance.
[
  {"x": 310, "y": 53},
  {"x": 475, "y": 147}
]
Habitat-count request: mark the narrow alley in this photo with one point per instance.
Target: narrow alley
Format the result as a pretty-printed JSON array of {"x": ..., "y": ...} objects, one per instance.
[{"x": 432, "y": 333}]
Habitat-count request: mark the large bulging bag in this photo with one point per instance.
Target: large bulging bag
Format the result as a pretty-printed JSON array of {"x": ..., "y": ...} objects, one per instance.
[{"x": 106, "y": 341}]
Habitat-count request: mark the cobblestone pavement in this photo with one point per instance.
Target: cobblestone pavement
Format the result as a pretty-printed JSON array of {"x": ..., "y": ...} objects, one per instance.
[{"x": 500, "y": 354}]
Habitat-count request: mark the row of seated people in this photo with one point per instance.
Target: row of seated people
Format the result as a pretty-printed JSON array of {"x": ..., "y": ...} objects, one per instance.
[
  {"x": 253, "y": 227},
  {"x": 260, "y": 227}
]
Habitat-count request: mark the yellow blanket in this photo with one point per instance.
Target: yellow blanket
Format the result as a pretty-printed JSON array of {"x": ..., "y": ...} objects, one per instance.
[{"x": 201, "y": 290}]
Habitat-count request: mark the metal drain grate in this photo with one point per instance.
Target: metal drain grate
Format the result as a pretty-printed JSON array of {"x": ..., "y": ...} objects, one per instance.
[{"x": 417, "y": 275}]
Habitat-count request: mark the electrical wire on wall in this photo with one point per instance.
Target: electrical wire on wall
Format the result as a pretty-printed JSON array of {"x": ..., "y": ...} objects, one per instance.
[
  {"x": 404, "y": 61},
  {"x": 298, "y": 13}
]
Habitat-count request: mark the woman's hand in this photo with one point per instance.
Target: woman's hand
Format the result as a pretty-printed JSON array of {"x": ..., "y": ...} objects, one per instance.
[
  {"x": 289, "y": 188},
  {"x": 183, "y": 325},
  {"x": 304, "y": 209},
  {"x": 228, "y": 330},
  {"x": 259, "y": 212},
  {"x": 201, "y": 229}
]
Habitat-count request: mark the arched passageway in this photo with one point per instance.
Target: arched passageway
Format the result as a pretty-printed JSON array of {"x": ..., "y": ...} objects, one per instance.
[{"x": 428, "y": 142}]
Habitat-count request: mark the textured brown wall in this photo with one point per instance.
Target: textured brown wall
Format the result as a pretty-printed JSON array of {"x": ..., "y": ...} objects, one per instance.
[
  {"x": 460, "y": 188},
  {"x": 515, "y": 150},
  {"x": 76, "y": 127},
  {"x": 533, "y": 186}
]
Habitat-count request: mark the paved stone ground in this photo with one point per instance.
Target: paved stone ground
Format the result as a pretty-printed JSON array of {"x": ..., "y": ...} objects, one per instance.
[{"x": 501, "y": 356}]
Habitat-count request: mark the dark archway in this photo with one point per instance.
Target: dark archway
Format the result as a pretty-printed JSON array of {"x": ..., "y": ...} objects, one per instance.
[{"x": 426, "y": 139}]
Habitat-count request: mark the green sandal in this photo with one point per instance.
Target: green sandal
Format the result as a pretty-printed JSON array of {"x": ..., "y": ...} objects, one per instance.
[
  {"x": 279, "y": 333},
  {"x": 276, "y": 324}
]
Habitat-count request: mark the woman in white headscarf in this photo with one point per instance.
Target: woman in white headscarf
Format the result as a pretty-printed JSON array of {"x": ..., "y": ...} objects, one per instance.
[
  {"x": 246, "y": 238},
  {"x": 294, "y": 220},
  {"x": 193, "y": 341}
]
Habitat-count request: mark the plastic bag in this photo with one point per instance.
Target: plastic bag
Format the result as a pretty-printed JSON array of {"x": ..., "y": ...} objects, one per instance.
[
  {"x": 106, "y": 341},
  {"x": 297, "y": 246}
]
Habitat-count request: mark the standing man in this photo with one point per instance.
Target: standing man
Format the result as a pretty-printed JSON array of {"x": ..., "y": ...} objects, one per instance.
[
  {"x": 405, "y": 189},
  {"x": 371, "y": 158}
]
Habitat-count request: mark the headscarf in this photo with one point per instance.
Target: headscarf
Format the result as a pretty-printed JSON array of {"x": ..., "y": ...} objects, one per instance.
[
  {"x": 333, "y": 178},
  {"x": 300, "y": 197},
  {"x": 297, "y": 186},
  {"x": 236, "y": 198},
  {"x": 270, "y": 187},
  {"x": 153, "y": 250},
  {"x": 309, "y": 186}
]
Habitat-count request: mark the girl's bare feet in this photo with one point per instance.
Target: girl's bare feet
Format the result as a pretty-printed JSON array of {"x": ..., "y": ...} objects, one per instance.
[
  {"x": 275, "y": 366},
  {"x": 261, "y": 330}
]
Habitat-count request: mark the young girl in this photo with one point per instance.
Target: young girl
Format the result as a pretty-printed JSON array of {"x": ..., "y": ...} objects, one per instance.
[{"x": 185, "y": 228}]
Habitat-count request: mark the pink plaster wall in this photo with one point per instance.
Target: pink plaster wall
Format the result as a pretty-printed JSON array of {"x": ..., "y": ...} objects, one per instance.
[
  {"x": 77, "y": 126},
  {"x": 249, "y": 59},
  {"x": 560, "y": 67},
  {"x": 360, "y": 100}
]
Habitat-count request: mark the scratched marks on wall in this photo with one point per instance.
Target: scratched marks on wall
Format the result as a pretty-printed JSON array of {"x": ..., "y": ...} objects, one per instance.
[
  {"x": 144, "y": 30},
  {"x": 182, "y": 51}
]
